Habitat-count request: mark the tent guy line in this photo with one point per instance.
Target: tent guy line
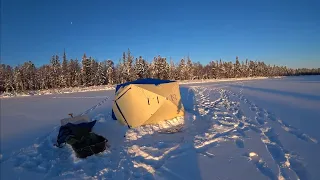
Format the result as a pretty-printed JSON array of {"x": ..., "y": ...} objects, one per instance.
[{"x": 95, "y": 106}]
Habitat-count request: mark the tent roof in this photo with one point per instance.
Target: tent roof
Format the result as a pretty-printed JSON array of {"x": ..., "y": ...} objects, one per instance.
[{"x": 144, "y": 81}]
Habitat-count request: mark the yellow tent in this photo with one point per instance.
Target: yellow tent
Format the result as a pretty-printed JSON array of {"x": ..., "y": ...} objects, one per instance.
[{"x": 147, "y": 101}]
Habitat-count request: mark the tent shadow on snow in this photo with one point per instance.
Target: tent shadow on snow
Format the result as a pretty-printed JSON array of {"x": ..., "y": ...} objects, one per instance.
[
  {"x": 188, "y": 99},
  {"x": 186, "y": 157}
]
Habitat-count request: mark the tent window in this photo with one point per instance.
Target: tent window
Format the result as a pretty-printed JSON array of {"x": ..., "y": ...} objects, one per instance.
[
  {"x": 148, "y": 102},
  {"x": 158, "y": 99}
]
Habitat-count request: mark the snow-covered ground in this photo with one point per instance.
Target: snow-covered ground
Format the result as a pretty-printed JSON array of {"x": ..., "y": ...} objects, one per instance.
[
  {"x": 259, "y": 129},
  {"x": 58, "y": 91}
]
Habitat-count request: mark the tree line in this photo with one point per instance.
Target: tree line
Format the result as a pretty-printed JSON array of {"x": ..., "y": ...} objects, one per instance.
[{"x": 89, "y": 72}]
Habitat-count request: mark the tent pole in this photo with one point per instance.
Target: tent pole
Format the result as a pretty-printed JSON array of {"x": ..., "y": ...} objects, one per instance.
[{"x": 122, "y": 114}]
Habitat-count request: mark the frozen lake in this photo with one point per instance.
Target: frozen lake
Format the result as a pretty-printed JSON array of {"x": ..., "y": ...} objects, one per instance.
[{"x": 258, "y": 129}]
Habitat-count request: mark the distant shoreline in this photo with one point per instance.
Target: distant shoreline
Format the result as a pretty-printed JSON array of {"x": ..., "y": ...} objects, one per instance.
[{"x": 112, "y": 87}]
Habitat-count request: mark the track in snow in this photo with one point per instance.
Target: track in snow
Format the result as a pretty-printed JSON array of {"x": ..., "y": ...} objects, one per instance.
[{"x": 228, "y": 116}]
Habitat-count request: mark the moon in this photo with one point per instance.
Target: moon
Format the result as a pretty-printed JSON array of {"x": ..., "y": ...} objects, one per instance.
[{"x": 71, "y": 22}]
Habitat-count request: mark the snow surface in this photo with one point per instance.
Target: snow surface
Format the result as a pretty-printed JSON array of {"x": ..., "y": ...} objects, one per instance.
[
  {"x": 259, "y": 129},
  {"x": 58, "y": 91}
]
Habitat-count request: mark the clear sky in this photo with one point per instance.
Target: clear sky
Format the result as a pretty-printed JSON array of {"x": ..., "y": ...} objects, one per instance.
[{"x": 283, "y": 32}]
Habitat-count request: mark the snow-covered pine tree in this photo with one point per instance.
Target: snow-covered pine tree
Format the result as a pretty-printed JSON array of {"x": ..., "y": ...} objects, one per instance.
[
  {"x": 110, "y": 72},
  {"x": 273, "y": 71},
  {"x": 145, "y": 65},
  {"x": 189, "y": 69},
  {"x": 242, "y": 69},
  {"x": 214, "y": 69},
  {"x": 64, "y": 78},
  {"x": 161, "y": 68},
  {"x": 94, "y": 80},
  {"x": 245, "y": 69},
  {"x": 29, "y": 75},
  {"x": 154, "y": 68},
  {"x": 8, "y": 76},
  {"x": 37, "y": 80},
  {"x": 58, "y": 71},
  {"x": 140, "y": 68},
  {"x": 237, "y": 68},
  {"x": 119, "y": 73},
  {"x": 137, "y": 68},
  {"x": 151, "y": 69},
  {"x": 269, "y": 71},
  {"x": 101, "y": 73},
  {"x": 182, "y": 70},
  {"x": 222, "y": 70},
  {"x": 265, "y": 70},
  {"x": 41, "y": 77},
  {"x": 2, "y": 77},
  {"x": 230, "y": 69},
  {"x": 77, "y": 74},
  {"x": 17, "y": 79},
  {"x": 23, "y": 70},
  {"x": 207, "y": 71},
  {"x": 172, "y": 70},
  {"x": 198, "y": 70},
  {"x": 217, "y": 73},
  {"x": 47, "y": 74},
  {"x": 128, "y": 67},
  {"x": 251, "y": 68},
  {"x": 86, "y": 70},
  {"x": 55, "y": 71},
  {"x": 72, "y": 73},
  {"x": 123, "y": 67},
  {"x": 165, "y": 70},
  {"x": 258, "y": 68}
]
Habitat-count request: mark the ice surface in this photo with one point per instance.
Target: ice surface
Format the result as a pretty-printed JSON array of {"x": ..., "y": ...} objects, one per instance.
[{"x": 259, "y": 129}]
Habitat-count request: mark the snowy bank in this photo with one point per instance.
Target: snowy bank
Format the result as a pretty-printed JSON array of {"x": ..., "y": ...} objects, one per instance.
[
  {"x": 223, "y": 80},
  {"x": 112, "y": 87},
  {"x": 59, "y": 91}
]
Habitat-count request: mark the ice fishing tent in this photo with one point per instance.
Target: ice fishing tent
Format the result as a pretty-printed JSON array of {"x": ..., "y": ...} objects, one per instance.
[{"x": 147, "y": 101}]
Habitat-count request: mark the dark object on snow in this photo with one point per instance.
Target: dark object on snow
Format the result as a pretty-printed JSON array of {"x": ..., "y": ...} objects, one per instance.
[
  {"x": 83, "y": 141},
  {"x": 89, "y": 145},
  {"x": 74, "y": 130}
]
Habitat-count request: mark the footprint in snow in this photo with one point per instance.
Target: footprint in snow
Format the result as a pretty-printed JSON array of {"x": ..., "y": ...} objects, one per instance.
[
  {"x": 261, "y": 165},
  {"x": 239, "y": 142}
]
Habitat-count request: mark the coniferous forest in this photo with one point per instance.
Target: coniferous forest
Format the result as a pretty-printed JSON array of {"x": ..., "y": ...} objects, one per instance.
[{"x": 62, "y": 72}]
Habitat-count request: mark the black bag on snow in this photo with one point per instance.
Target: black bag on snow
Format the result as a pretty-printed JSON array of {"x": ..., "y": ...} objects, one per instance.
[{"x": 83, "y": 141}]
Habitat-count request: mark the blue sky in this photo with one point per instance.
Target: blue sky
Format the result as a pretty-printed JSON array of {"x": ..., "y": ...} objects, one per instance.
[{"x": 277, "y": 32}]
